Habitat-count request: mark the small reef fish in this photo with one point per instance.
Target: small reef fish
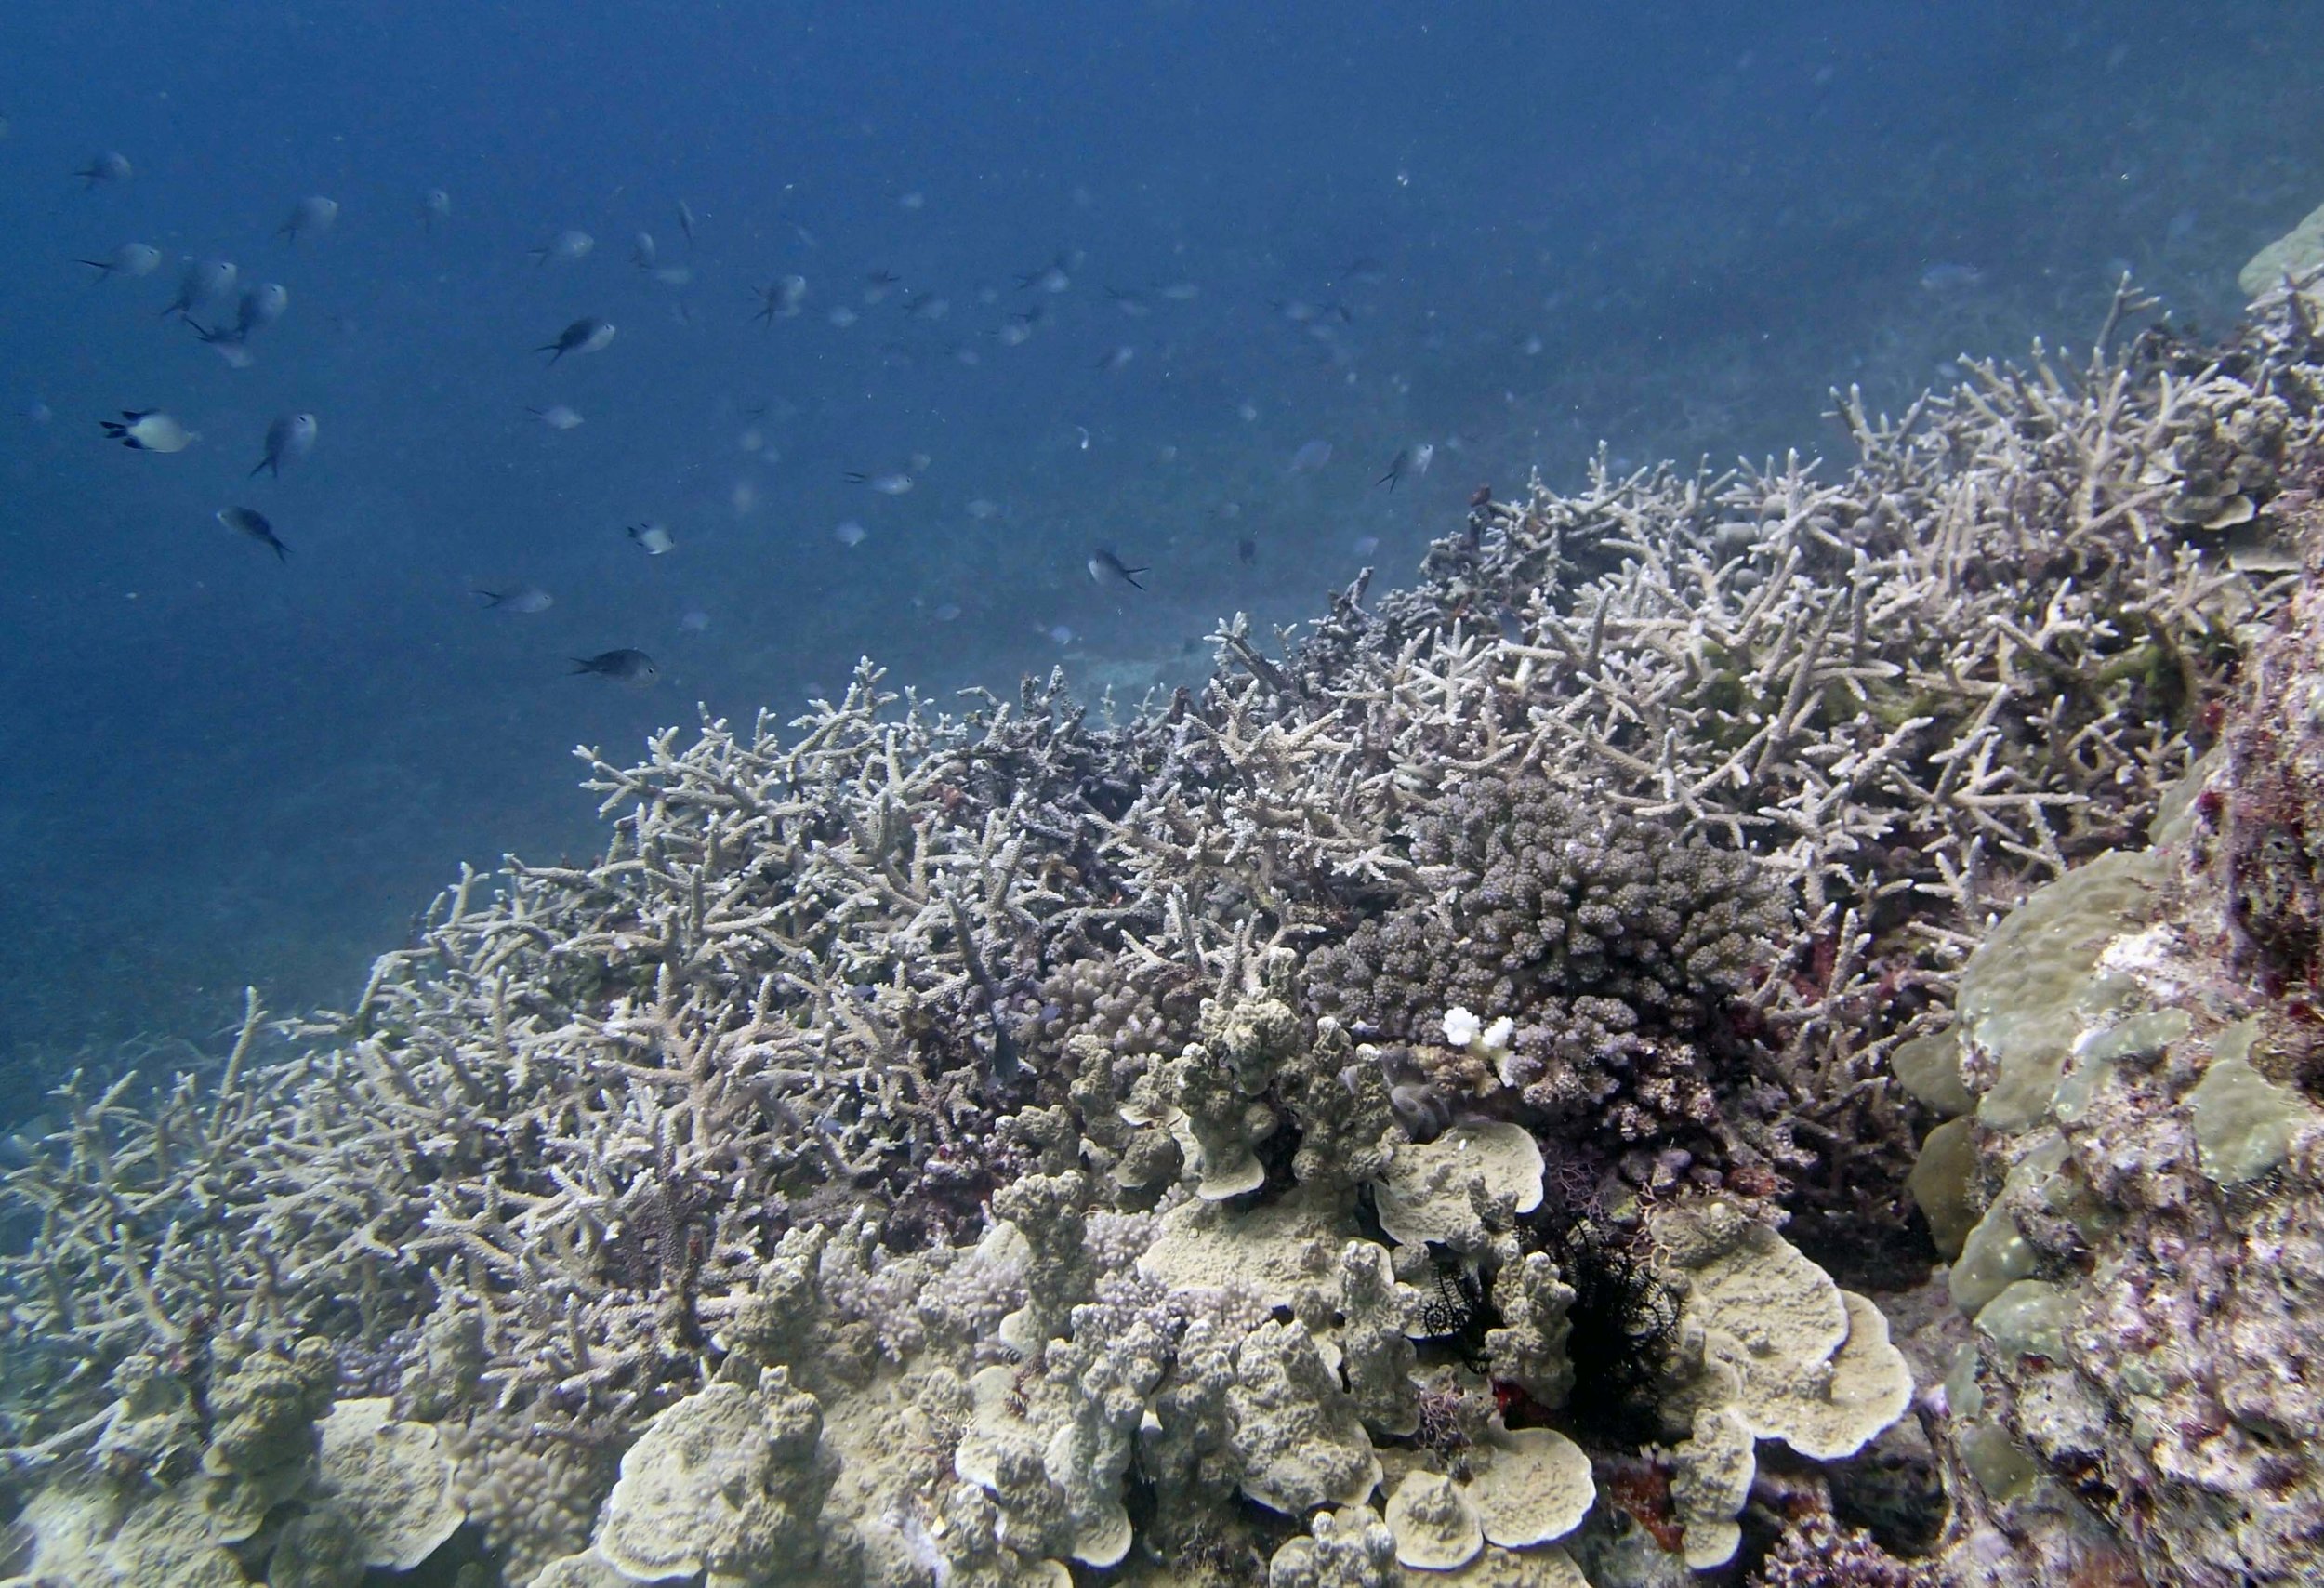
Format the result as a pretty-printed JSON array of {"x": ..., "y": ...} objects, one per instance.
[
  {"x": 252, "y": 522},
  {"x": 643, "y": 251},
  {"x": 148, "y": 430},
  {"x": 1117, "y": 359},
  {"x": 581, "y": 337},
  {"x": 311, "y": 217},
  {"x": 1107, "y": 569},
  {"x": 260, "y": 307},
  {"x": 288, "y": 439},
  {"x": 654, "y": 539},
  {"x": 982, "y": 507},
  {"x": 519, "y": 598},
  {"x": 434, "y": 205},
  {"x": 131, "y": 259},
  {"x": 1018, "y": 329},
  {"x": 1946, "y": 277},
  {"x": 1050, "y": 278},
  {"x": 1312, "y": 456},
  {"x": 780, "y": 299},
  {"x": 204, "y": 281},
  {"x": 567, "y": 247},
  {"x": 624, "y": 665},
  {"x": 1415, "y": 458},
  {"x": 686, "y": 221},
  {"x": 111, "y": 166},
  {"x": 851, "y": 535},
  {"x": 225, "y": 342},
  {"x": 886, "y": 485},
  {"x": 557, "y": 416}
]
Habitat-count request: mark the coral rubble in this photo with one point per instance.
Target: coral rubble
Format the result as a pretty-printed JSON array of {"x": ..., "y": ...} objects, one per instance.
[{"x": 1440, "y": 1099}]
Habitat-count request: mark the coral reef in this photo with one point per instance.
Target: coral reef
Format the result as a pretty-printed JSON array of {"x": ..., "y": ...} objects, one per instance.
[
  {"x": 1436, "y": 1094},
  {"x": 2137, "y": 1394}
]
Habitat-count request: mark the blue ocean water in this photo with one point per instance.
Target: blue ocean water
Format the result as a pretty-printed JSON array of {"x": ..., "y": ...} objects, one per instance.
[{"x": 1178, "y": 281}]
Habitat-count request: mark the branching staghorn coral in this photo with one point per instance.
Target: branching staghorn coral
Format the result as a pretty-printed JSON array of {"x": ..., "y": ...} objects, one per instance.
[{"x": 816, "y": 970}]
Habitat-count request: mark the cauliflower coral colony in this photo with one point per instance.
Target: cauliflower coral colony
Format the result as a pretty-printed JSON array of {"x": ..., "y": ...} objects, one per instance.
[{"x": 1746, "y": 1026}]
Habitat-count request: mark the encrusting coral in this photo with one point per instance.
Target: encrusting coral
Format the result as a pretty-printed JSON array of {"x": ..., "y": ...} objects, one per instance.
[
  {"x": 2136, "y": 1388},
  {"x": 1229, "y": 1102},
  {"x": 728, "y": 1482}
]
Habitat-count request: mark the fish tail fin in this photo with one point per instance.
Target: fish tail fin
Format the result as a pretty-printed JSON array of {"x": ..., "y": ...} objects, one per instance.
[{"x": 1131, "y": 575}]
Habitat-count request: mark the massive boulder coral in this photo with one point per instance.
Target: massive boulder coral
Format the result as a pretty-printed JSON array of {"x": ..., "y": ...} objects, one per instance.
[
  {"x": 263, "y": 1474},
  {"x": 728, "y": 1483},
  {"x": 1348, "y": 1548},
  {"x": 1302, "y": 1444},
  {"x": 387, "y": 1484}
]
